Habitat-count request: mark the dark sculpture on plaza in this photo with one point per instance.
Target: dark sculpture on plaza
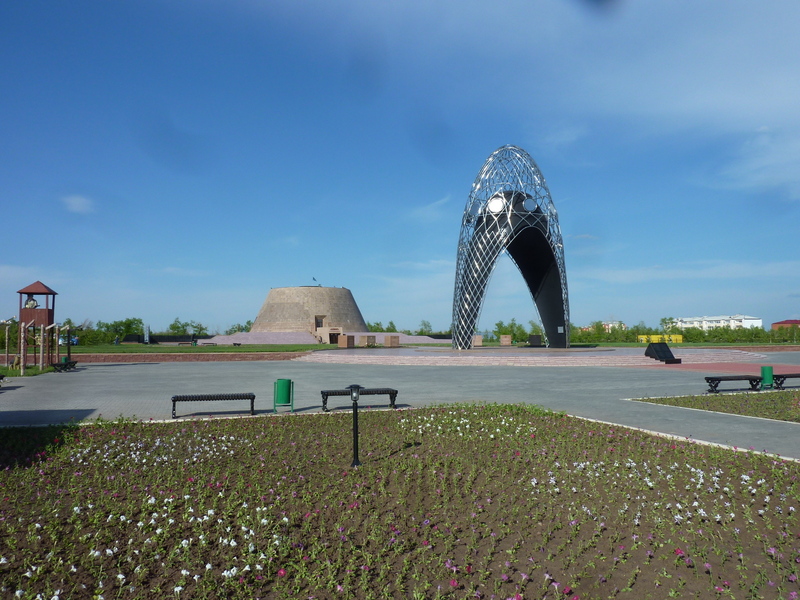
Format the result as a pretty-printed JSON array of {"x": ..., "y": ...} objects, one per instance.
[{"x": 510, "y": 209}]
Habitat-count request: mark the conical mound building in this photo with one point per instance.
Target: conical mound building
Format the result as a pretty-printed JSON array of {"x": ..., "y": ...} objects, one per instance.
[{"x": 314, "y": 309}]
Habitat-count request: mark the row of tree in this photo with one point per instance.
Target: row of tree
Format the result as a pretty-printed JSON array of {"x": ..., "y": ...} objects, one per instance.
[
  {"x": 423, "y": 329},
  {"x": 91, "y": 334},
  {"x": 597, "y": 332}
]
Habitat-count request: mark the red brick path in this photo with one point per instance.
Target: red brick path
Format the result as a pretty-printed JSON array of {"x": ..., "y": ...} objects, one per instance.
[{"x": 185, "y": 357}]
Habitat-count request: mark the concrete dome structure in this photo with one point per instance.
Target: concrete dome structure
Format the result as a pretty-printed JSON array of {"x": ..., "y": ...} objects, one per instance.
[{"x": 318, "y": 310}]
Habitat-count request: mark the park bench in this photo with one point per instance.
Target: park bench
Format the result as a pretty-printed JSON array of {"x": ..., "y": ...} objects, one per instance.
[
  {"x": 713, "y": 382},
  {"x": 363, "y": 392},
  {"x": 209, "y": 397},
  {"x": 67, "y": 365},
  {"x": 779, "y": 380}
]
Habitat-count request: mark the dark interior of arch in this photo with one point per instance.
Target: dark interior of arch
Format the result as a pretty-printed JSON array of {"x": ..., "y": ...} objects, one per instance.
[{"x": 534, "y": 257}]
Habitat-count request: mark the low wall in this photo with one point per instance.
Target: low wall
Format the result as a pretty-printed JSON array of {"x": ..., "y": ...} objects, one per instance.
[{"x": 185, "y": 357}]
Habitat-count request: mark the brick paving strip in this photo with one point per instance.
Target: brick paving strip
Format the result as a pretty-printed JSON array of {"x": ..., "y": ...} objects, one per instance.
[
  {"x": 185, "y": 357},
  {"x": 560, "y": 360}
]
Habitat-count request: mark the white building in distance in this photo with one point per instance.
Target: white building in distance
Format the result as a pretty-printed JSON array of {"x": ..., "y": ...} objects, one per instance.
[{"x": 706, "y": 323}]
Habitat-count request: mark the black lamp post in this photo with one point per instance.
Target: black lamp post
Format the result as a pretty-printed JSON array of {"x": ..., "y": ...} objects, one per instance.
[{"x": 355, "y": 390}]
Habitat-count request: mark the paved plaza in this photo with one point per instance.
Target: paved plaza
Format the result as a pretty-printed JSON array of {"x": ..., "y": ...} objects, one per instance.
[{"x": 595, "y": 384}]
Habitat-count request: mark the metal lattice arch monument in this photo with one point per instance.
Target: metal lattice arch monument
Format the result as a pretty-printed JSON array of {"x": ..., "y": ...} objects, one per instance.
[{"x": 510, "y": 209}]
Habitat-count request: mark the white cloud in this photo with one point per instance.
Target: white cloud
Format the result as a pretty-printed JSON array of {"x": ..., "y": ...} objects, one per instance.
[
  {"x": 425, "y": 291},
  {"x": 78, "y": 204},
  {"x": 430, "y": 212},
  {"x": 694, "y": 271},
  {"x": 181, "y": 272},
  {"x": 434, "y": 264},
  {"x": 767, "y": 160}
]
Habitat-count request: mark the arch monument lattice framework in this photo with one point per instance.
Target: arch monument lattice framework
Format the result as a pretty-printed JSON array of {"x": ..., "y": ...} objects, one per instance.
[{"x": 510, "y": 209}]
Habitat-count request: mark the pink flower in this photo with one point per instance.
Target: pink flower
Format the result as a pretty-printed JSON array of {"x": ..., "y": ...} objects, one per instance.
[
  {"x": 281, "y": 572},
  {"x": 453, "y": 583},
  {"x": 679, "y": 552}
]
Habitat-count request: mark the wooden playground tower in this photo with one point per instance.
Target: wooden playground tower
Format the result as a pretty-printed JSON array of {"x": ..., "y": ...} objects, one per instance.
[{"x": 33, "y": 316}]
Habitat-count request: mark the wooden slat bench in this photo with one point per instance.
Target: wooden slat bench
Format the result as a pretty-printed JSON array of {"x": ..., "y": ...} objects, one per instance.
[
  {"x": 64, "y": 366},
  {"x": 209, "y": 397},
  {"x": 392, "y": 393},
  {"x": 713, "y": 382},
  {"x": 779, "y": 380}
]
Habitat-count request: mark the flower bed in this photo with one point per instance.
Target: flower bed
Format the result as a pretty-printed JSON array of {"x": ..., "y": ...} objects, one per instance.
[{"x": 451, "y": 502}]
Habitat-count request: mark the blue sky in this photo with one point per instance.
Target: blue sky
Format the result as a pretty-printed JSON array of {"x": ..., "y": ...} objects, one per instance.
[{"x": 179, "y": 159}]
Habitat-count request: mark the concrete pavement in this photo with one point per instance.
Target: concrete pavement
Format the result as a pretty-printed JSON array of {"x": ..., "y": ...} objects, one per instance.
[{"x": 597, "y": 390}]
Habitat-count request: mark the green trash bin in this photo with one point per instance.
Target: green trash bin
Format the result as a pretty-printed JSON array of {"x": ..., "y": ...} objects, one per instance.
[
  {"x": 65, "y": 359},
  {"x": 766, "y": 378},
  {"x": 283, "y": 394}
]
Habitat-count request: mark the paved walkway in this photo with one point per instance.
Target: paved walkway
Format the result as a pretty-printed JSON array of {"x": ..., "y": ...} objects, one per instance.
[{"x": 593, "y": 384}]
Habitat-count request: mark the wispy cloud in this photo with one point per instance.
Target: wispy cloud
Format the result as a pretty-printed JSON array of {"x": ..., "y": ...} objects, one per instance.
[
  {"x": 565, "y": 136},
  {"x": 430, "y": 212},
  {"x": 17, "y": 273},
  {"x": 701, "y": 270},
  {"x": 181, "y": 272},
  {"x": 78, "y": 204},
  {"x": 767, "y": 160},
  {"x": 434, "y": 264}
]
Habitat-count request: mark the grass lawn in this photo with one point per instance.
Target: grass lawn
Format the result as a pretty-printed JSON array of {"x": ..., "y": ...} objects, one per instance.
[
  {"x": 783, "y": 405},
  {"x": 463, "y": 501},
  {"x": 29, "y": 371}
]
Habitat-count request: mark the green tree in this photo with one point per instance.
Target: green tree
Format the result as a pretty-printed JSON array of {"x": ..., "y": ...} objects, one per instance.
[
  {"x": 694, "y": 335},
  {"x": 238, "y": 327},
  {"x": 391, "y": 327},
  {"x": 121, "y": 328},
  {"x": 669, "y": 325},
  {"x": 375, "y": 327},
  {"x": 424, "y": 328},
  {"x": 178, "y": 327},
  {"x": 515, "y": 330}
]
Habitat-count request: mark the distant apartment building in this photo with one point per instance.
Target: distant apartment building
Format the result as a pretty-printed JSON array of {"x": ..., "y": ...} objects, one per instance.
[
  {"x": 608, "y": 326},
  {"x": 707, "y": 323},
  {"x": 787, "y": 323}
]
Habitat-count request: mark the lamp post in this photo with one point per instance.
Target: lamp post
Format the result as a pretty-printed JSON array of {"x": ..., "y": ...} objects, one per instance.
[{"x": 355, "y": 390}]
